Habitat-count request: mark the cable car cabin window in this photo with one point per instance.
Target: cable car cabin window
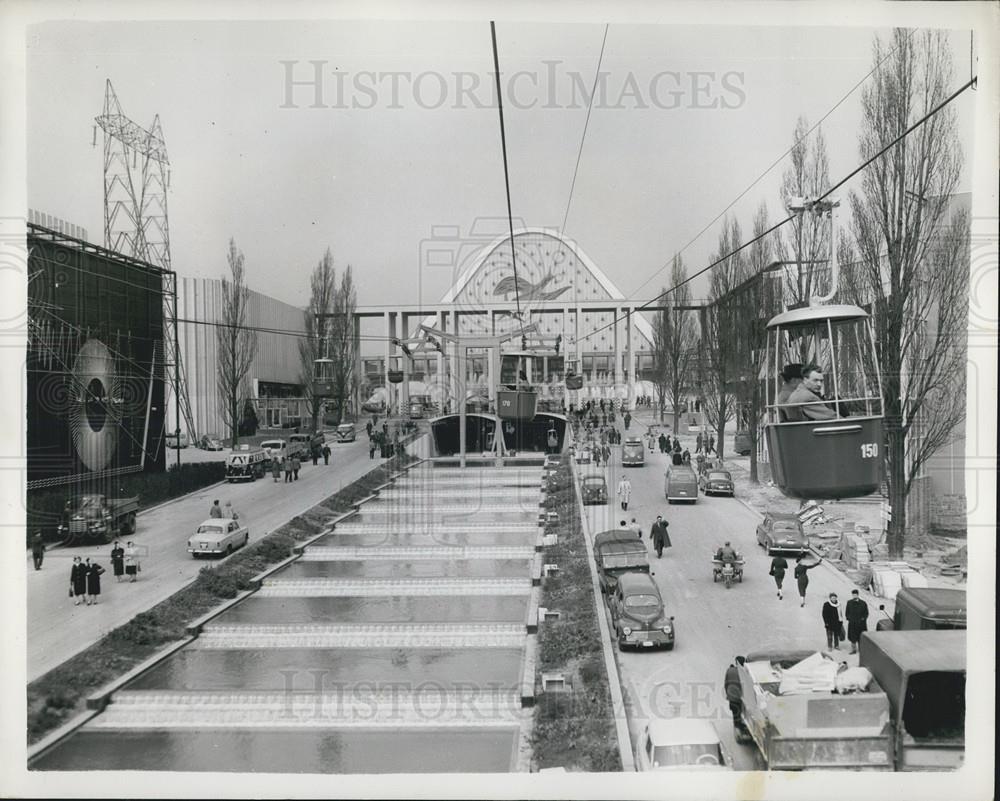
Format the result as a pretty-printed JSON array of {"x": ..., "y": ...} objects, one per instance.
[{"x": 844, "y": 352}]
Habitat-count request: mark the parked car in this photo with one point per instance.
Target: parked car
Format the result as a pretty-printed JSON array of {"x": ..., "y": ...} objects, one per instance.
[
  {"x": 218, "y": 535},
  {"x": 594, "y": 490},
  {"x": 346, "y": 432},
  {"x": 584, "y": 455},
  {"x": 210, "y": 442},
  {"x": 680, "y": 744},
  {"x": 742, "y": 444},
  {"x": 637, "y": 613},
  {"x": 680, "y": 483},
  {"x": 306, "y": 444},
  {"x": 782, "y": 532},
  {"x": 173, "y": 441},
  {"x": 716, "y": 482}
]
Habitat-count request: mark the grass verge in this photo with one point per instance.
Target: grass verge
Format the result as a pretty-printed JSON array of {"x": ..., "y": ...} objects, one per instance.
[
  {"x": 62, "y": 692},
  {"x": 573, "y": 728}
]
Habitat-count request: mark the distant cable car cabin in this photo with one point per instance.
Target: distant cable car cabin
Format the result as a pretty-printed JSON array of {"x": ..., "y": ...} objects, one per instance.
[
  {"x": 323, "y": 384},
  {"x": 526, "y": 377},
  {"x": 830, "y": 447}
]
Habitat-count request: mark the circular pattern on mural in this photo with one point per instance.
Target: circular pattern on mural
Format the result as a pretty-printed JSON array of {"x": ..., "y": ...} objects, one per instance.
[{"x": 94, "y": 390}]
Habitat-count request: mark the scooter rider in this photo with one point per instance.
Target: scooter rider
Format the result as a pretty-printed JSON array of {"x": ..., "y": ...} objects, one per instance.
[{"x": 726, "y": 554}]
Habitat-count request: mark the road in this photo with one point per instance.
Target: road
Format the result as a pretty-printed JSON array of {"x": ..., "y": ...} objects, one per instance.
[
  {"x": 713, "y": 624},
  {"x": 57, "y": 629}
]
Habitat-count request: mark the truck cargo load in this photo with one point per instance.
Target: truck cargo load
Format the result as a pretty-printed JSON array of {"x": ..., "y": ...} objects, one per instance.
[{"x": 800, "y": 716}]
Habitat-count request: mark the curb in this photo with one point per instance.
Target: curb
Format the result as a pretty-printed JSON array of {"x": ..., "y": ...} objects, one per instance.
[{"x": 611, "y": 668}]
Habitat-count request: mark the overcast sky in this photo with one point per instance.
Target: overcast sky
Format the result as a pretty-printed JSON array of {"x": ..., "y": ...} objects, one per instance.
[{"x": 685, "y": 118}]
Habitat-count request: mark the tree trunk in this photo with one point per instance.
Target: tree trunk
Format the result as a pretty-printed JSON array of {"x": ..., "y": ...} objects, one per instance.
[
  {"x": 752, "y": 429},
  {"x": 897, "y": 488},
  {"x": 234, "y": 420}
]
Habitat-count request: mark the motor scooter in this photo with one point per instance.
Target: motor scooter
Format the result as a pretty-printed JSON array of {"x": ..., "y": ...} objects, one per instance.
[{"x": 729, "y": 571}]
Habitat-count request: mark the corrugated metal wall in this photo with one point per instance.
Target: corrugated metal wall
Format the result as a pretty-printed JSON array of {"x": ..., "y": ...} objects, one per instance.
[{"x": 200, "y": 300}]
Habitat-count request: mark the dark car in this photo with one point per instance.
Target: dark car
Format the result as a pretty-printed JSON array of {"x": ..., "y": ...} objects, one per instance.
[
  {"x": 637, "y": 613},
  {"x": 594, "y": 490},
  {"x": 782, "y": 532},
  {"x": 716, "y": 482},
  {"x": 742, "y": 444}
]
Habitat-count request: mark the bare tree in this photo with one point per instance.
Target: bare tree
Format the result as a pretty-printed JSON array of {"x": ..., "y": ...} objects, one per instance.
[
  {"x": 236, "y": 342},
  {"x": 808, "y": 241},
  {"x": 720, "y": 345},
  {"x": 913, "y": 257},
  {"x": 343, "y": 341},
  {"x": 315, "y": 344},
  {"x": 757, "y": 301},
  {"x": 675, "y": 337}
]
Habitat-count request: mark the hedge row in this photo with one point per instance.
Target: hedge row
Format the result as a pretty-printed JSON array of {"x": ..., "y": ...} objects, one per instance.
[{"x": 573, "y": 729}]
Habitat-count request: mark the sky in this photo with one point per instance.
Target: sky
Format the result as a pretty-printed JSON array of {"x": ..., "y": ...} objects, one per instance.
[{"x": 407, "y": 137}]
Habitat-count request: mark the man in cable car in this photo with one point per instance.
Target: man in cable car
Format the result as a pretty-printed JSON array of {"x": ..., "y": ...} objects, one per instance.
[{"x": 808, "y": 392}]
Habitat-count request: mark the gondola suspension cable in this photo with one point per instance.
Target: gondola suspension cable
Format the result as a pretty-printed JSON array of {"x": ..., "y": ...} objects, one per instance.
[
  {"x": 506, "y": 172},
  {"x": 776, "y": 226}
]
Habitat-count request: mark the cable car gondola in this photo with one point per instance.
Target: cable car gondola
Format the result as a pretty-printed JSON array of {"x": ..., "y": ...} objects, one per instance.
[
  {"x": 323, "y": 384},
  {"x": 530, "y": 381},
  {"x": 826, "y": 447}
]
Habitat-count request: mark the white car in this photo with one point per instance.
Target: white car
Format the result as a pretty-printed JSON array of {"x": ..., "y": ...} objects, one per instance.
[
  {"x": 680, "y": 744},
  {"x": 218, "y": 535}
]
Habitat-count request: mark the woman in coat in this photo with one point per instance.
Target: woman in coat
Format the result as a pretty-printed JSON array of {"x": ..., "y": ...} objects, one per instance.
[
  {"x": 802, "y": 576},
  {"x": 94, "y": 573},
  {"x": 118, "y": 561},
  {"x": 77, "y": 581},
  {"x": 132, "y": 566}
]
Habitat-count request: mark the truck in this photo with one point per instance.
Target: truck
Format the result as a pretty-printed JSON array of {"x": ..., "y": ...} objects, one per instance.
[
  {"x": 926, "y": 608},
  {"x": 798, "y": 728},
  {"x": 618, "y": 551},
  {"x": 246, "y": 463},
  {"x": 923, "y": 676},
  {"x": 306, "y": 444},
  {"x": 97, "y": 517}
]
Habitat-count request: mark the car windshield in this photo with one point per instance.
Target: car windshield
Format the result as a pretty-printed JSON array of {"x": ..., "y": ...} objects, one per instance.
[
  {"x": 639, "y": 601},
  {"x": 271, "y": 444},
  {"x": 687, "y": 754},
  {"x": 621, "y": 561},
  {"x": 718, "y": 476},
  {"x": 209, "y": 529},
  {"x": 594, "y": 483}
]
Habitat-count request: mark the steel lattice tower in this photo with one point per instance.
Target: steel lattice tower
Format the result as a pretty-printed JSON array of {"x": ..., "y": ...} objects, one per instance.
[{"x": 136, "y": 180}]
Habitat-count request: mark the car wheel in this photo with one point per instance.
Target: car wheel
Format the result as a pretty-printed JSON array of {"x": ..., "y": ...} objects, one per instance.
[
  {"x": 246, "y": 538},
  {"x": 668, "y": 647},
  {"x": 229, "y": 549}
]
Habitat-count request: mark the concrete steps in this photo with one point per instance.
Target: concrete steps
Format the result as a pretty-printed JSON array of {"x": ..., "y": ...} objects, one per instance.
[
  {"x": 349, "y": 553},
  {"x": 296, "y": 588},
  {"x": 374, "y": 635},
  {"x": 357, "y": 706}
]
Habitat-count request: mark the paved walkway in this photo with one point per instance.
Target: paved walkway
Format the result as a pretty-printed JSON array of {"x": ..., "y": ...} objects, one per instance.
[{"x": 58, "y": 630}]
